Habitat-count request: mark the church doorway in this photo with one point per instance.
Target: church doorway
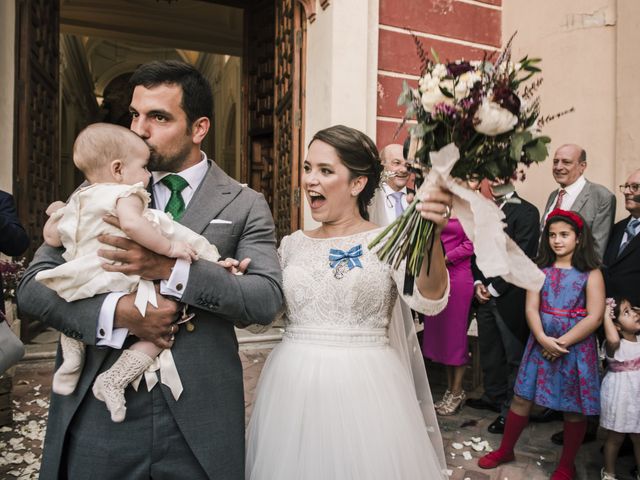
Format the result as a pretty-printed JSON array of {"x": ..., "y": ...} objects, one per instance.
[{"x": 74, "y": 59}]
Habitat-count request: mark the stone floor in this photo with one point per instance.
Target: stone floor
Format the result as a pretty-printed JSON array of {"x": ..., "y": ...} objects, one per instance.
[{"x": 20, "y": 444}]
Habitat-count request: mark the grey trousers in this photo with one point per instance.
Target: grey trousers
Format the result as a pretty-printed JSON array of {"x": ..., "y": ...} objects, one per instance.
[
  {"x": 500, "y": 355},
  {"x": 148, "y": 444}
]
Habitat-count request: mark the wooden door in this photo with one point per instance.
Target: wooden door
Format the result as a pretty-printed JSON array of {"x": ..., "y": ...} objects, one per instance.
[
  {"x": 288, "y": 115},
  {"x": 275, "y": 33},
  {"x": 258, "y": 66},
  {"x": 37, "y": 162}
]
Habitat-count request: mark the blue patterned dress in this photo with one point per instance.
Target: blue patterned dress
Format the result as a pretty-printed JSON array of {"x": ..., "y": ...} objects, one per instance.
[{"x": 571, "y": 383}]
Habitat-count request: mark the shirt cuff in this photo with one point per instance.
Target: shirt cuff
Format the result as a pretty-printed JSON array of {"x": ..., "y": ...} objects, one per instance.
[
  {"x": 177, "y": 282},
  {"x": 493, "y": 291},
  {"x": 108, "y": 336},
  {"x": 477, "y": 282}
]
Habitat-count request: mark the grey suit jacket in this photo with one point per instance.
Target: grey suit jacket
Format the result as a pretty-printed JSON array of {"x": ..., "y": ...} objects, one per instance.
[
  {"x": 597, "y": 205},
  {"x": 210, "y": 412}
]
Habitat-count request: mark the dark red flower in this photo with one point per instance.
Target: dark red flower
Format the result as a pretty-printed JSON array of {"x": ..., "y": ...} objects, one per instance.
[
  {"x": 456, "y": 69},
  {"x": 507, "y": 99}
]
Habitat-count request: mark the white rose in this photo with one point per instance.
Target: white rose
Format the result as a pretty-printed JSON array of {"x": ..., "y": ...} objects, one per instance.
[
  {"x": 439, "y": 71},
  {"x": 491, "y": 119},
  {"x": 422, "y": 83},
  {"x": 432, "y": 97},
  {"x": 470, "y": 78},
  {"x": 462, "y": 87}
]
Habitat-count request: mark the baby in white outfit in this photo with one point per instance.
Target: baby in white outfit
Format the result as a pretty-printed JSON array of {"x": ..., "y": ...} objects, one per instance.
[{"x": 114, "y": 161}]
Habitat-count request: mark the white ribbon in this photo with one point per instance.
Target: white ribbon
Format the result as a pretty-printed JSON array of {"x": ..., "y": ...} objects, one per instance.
[
  {"x": 496, "y": 254},
  {"x": 146, "y": 294},
  {"x": 168, "y": 374}
]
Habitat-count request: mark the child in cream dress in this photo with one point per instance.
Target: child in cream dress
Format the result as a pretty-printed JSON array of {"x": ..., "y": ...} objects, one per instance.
[{"x": 113, "y": 159}]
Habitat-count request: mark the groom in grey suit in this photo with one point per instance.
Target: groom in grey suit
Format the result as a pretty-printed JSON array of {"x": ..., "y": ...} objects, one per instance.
[
  {"x": 201, "y": 435},
  {"x": 594, "y": 202}
]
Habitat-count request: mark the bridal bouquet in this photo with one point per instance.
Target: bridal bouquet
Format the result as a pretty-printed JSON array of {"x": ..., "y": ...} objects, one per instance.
[{"x": 472, "y": 119}]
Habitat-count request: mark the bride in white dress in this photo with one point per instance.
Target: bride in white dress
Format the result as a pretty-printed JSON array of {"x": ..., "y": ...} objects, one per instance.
[{"x": 345, "y": 395}]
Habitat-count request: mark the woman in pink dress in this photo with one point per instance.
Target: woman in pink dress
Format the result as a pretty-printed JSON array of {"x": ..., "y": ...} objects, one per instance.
[{"x": 445, "y": 334}]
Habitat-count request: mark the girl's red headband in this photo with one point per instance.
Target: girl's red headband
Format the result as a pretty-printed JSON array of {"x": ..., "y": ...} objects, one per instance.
[{"x": 574, "y": 217}]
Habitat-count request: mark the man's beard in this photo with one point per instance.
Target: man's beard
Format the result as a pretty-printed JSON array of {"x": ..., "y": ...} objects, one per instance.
[{"x": 164, "y": 163}]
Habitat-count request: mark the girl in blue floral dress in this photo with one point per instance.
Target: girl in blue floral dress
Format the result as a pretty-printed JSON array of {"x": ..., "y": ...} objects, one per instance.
[{"x": 559, "y": 368}]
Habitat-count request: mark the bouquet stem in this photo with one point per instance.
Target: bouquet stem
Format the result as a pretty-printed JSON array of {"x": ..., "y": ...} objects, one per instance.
[{"x": 410, "y": 237}]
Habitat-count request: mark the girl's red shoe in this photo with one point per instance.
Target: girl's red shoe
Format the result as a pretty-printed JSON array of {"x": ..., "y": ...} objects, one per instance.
[
  {"x": 563, "y": 473},
  {"x": 493, "y": 459}
]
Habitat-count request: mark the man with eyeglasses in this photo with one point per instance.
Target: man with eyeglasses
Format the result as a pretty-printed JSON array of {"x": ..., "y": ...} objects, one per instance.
[
  {"x": 594, "y": 202},
  {"x": 622, "y": 258}
]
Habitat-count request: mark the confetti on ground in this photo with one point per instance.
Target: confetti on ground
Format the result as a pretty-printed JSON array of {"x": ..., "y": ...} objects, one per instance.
[
  {"x": 457, "y": 446},
  {"x": 480, "y": 446},
  {"x": 467, "y": 455},
  {"x": 22, "y": 441}
]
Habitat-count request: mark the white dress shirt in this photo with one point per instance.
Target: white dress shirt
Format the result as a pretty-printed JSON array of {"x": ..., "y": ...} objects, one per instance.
[
  {"x": 569, "y": 198},
  {"x": 390, "y": 203},
  {"x": 106, "y": 334}
]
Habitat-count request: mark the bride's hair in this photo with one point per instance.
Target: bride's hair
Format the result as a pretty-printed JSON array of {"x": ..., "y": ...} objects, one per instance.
[{"x": 359, "y": 154}]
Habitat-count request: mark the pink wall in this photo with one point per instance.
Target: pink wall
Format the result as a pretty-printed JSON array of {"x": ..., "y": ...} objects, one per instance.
[{"x": 456, "y": 29}]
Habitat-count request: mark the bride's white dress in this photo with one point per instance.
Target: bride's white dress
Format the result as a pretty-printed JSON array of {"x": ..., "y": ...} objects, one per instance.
[{"x": 337, "y": 399}]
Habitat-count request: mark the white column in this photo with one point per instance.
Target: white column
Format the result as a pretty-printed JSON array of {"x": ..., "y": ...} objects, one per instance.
[
  {"x": 342, "y": 64},
  {"x": 7, "y": 72}
]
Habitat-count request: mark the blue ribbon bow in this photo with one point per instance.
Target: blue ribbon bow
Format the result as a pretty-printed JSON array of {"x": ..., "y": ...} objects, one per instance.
[{"x": 336, "y": 256}]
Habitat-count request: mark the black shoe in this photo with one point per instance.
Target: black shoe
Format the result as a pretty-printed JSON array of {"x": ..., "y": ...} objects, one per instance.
[
  {"x": 558, "y": 437},
  {"x": 482, "y": 404},
  {"x": 546, "y": 416},
  {"x": 626, "y": 449},
  {"x": 634, "y": 472},
  {"x": 497, "y": 426}
]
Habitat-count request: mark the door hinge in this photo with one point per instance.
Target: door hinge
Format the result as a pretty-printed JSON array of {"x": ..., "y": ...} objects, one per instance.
[
  {"x": 296, "y": 197},
  {"x": 297, "y": 119}
]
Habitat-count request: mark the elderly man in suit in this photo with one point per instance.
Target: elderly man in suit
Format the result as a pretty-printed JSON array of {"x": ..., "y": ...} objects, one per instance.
[
  {"x": 595, "y": 203},
  {"x": 622, "y": 257},
  {"x": 390, "y": 200},
  {"x": 502, "y": 324},
  {"x": 201, "y": 435}
]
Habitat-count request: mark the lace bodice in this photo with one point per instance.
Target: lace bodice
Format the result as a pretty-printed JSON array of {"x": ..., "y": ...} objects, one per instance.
[{"x": 362, "y": 298}]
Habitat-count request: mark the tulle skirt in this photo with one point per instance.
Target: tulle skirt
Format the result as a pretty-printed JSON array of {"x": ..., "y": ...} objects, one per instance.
[{"x": 340, "y": 406}]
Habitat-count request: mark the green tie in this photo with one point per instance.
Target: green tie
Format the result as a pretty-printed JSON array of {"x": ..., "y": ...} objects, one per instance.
[{"x": 175, "y": 205}]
